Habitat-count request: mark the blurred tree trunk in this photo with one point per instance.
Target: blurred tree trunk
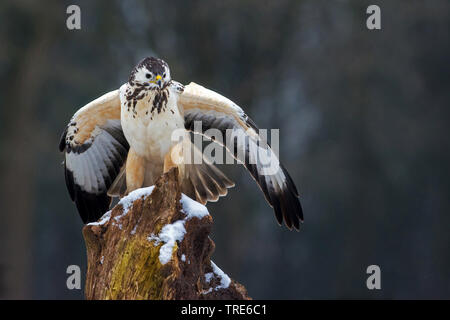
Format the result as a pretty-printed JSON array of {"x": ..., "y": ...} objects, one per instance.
[{"x": 18, "y": 165}]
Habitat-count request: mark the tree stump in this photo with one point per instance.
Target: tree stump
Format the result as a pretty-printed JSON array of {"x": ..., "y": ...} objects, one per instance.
[{"x": 154, "y": 244}]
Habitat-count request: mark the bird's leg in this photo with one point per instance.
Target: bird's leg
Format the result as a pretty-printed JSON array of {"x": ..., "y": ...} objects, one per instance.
[{"x": 135, "y": 171}]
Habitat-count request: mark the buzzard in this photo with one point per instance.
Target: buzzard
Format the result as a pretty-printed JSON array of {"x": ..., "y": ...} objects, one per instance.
[{"x": 123, "y": 141}]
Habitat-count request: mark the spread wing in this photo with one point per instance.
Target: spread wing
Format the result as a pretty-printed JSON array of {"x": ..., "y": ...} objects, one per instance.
[
  {"x": 217, "y": 112},
  {"x": 95, "y": 149}
]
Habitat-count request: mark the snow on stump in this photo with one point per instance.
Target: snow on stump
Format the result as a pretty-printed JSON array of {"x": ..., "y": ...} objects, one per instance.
[{"x": 154, "y": 244}]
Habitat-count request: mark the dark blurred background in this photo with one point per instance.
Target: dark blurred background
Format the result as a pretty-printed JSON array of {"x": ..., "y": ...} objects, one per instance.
[{"x": 363, "y": 117}]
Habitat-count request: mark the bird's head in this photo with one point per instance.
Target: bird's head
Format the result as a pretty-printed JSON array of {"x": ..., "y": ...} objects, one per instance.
[{"x": 153, "y": 73}]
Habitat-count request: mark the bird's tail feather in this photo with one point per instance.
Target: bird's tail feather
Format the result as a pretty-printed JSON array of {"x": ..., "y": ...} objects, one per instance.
[
  {"x": 204, "y": 182},
  {"x": 119, "y": 186}
]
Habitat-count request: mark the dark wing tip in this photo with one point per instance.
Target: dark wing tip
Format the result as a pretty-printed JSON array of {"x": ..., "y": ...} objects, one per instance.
[
  {"x": 62, "y": 140},
  {"x": 91, "y": 207},
  {"x": 291, "y": 199},
  {"x": 277, "y": 209},
  {"x": 285, "y": 203},
  {"x": 289, "y": 181},
  {"x": 291, "y": 209},
  {"x": 296, "y": 213},
  {"x": 69, "y": 181}
]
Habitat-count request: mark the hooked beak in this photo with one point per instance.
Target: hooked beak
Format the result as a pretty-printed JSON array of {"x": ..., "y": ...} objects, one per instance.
[{"x": 158, "y": 81}]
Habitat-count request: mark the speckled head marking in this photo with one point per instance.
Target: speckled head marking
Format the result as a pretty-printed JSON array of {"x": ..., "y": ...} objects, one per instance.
[
  {"x": 151, "y": 73},
  {"x": 151, "y": 77}
]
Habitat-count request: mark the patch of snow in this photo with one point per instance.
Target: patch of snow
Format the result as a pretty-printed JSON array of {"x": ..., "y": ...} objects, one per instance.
[
  {"x": 224, "y": 278},
  {"x": 105, "y": 218},
  {"x": 169, "y": 234},
  {"x": 207, "y": 291},
  {"x": 208, "y": 277},
  {"x": 192, "y": 208},
  {"x": 101, "y": 260},
  {"x": 152, "y": 237},
  {"x": 175, "y": 232},
  {"x": 127, "y": 202},
  {"x": 183, "y": 257}
]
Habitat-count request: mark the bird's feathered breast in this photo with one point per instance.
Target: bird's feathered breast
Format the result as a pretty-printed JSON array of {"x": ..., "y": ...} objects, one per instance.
[
  {"x": 149, "y": 119},
  {"x": 140, "y": 99}
]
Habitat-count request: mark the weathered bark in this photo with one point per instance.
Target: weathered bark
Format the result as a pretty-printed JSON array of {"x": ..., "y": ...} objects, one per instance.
[{"x": 124, "y": 258}]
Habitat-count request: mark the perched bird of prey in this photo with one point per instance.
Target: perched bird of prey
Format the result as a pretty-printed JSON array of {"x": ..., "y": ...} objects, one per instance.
[{"x": 123, "y": 141}]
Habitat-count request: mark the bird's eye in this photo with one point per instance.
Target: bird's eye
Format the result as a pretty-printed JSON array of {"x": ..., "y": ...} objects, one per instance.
[{"x": 148, "y": 75}]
